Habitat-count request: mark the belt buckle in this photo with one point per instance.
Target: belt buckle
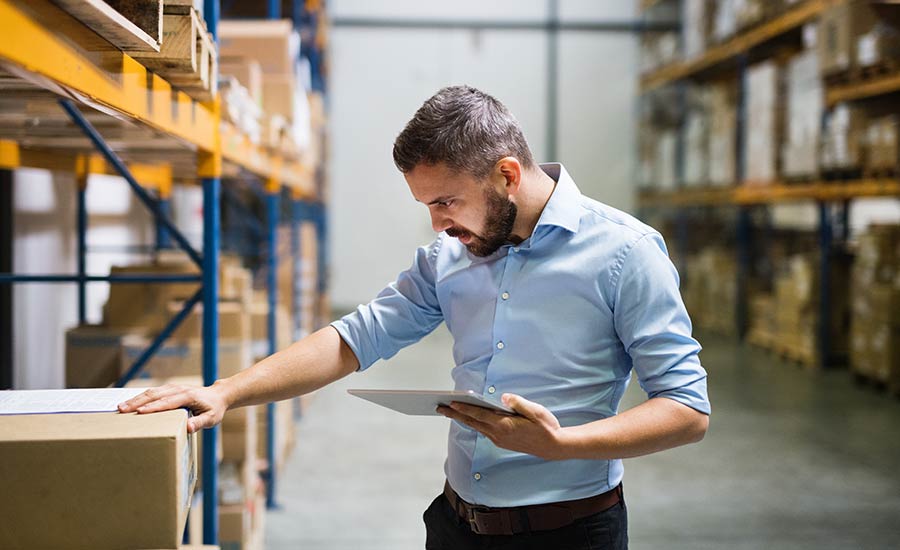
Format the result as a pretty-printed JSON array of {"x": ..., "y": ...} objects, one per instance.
[{"x": 484, "y": 521}]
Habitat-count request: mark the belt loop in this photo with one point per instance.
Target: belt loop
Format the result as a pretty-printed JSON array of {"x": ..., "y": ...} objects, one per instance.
[{"x": 621, "y": 491}]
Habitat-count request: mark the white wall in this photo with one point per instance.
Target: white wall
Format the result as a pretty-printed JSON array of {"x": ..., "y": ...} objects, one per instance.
[
  {"x": 45, "y": 243},
  {"x": 380, "y": 76}
]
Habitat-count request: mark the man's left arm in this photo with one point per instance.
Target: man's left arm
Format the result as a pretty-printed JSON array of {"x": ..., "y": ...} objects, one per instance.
[{"x": 655, "y": 330}]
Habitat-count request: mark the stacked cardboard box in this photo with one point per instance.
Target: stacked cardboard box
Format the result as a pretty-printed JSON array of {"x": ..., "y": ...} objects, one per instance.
[
  {"x": 696, "y": 18},
  {"x": 722, "y": 135},
  {"x": 763, "y": 319},
  {"x": 103, "y": 481},
  {"x": 878, "y": 46},
  {"x": 803, "y": 111},
  {"x": 875, "y": 324},
  {"x": 843, "y": 140},
  {"x": 841, "y": 26},
  {"x": 882, "y": 144},
  {"x": 797, "y": 297},
  {"x": 274, "y": 45},
  {"x": 748, "y": 13},
  {"x": 285, "y": 436},
  {"x": 697, "y": 139},
  {"x": 710, "y": 290},
  {"x": 762, "y": 130}
]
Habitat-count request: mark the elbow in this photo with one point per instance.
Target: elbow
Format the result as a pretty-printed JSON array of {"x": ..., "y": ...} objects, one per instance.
[{"x": 699, "y": 427}]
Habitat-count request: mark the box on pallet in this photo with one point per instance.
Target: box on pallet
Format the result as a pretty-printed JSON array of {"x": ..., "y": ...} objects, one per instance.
[
  {"x": 284, "y": 433},
  {"x": 696, "y": 15},
  {"x": 100, "y": 480},
  {"x": 840, "y": 27},
  {"x": 881, "y": 45},
  {"x": 273, "y": 43},
  {"x": 762, "y": 130},
  {"x": 843, "y": 140},
  {"x": 242, "y": 526},
  {"x": 697, "y": 139},
  {"x": 722, "y": 134},
  {"x": 710, "y": 290},
  {"x": 247, "y": 71},
  {"x": 94, "y": 355},
  {"x": 882, "y": 144},
  {"x": 803, "y": 112}
]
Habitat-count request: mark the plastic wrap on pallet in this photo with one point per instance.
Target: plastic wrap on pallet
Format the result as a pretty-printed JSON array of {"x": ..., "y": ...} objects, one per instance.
[
  {"x": 725, "y": 22},
  {"x": 879, "y": 45},
  {"x": 843, "y": 138},
  {"x": 722, "y": 133},
  {"x": 803, "y": 113},
  {"x": 696, "y": 140},
  {"x": 840, "y": 28},
  {"x": 761, "y": 128},
  {"x": 695, "y": 26}
]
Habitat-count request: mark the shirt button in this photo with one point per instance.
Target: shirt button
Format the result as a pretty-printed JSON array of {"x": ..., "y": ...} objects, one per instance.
[
  {"x": 500, "y": 345},
  {"x": 492, "y": 389},
  {"x": 477, "y": 476},
  {"x": 505, "y": 295},
  {"x": 515, "y": 249}
]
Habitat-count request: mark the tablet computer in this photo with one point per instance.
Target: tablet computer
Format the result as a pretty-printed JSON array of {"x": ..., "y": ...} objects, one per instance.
[{"x": 424, "y": 402}]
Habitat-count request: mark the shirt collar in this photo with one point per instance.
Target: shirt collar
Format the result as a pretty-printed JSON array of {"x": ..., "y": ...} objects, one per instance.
[{"x": 563, "y": 208}]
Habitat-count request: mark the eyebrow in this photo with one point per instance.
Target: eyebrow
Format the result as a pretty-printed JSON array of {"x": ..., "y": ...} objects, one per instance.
[{"x": 444, "y": 198}]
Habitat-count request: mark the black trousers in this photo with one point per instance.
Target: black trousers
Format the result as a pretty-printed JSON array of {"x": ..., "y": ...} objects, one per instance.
[{"x": 607, "y": 530}]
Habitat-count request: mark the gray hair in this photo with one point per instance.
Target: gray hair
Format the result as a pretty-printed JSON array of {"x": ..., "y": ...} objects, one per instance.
[{"x": 464, "y": 128}]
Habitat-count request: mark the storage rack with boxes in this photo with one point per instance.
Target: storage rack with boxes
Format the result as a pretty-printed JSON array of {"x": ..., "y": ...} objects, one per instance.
[
  {"x": 152, "y": 88},
  {"x": 765, "y": 104}
]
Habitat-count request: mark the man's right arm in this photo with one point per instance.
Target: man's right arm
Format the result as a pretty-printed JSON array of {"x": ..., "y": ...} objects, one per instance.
[{"x": 307, "y": 365}]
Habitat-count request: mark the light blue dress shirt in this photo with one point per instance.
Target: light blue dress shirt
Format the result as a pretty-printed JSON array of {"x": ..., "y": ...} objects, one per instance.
[{"x": 561, "y": 319}]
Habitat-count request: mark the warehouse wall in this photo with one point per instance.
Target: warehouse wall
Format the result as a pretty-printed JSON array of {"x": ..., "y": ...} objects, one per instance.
[
  {"x": 45, "y": 242},
  {"x": 380, "y": 76}
]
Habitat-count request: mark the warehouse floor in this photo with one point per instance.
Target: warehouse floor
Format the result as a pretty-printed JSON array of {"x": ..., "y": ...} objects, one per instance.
[{"x": 793, "y": 459}]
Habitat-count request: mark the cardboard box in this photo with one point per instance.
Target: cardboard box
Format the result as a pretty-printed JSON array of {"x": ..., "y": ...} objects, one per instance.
[
  {"x": 235, "y": 528},
  {"x": 247, "y": 71},
  {"x": 239, "y": 434},
  {"x": 100, "y": 481},
  {"x": 843, "y": 140},
  {"x": 839, "y": 30},
  {"x": 280, "y": 95},
  {"x": 284, "y": 432},
  {"x": 259, "y": 327},
  {"x": 94, "y": 355},
  {"x": 762, "y": 129},
  {"x": 143, "y": 305},
  {"x": 273, "y": 43},
  {"x": 234, "y": 322},
  {"x": 803, "y": 114},
  {"x": 184, "y": 358},
  {"x": 722, "y": 135}
]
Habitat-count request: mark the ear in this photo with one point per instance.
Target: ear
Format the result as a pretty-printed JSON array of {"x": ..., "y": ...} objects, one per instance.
[{"x": 509, "y": 174}]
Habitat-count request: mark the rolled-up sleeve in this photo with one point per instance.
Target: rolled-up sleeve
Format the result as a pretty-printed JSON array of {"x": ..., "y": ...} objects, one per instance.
[
  {"x": 402, "y": 314},
  {"x": 654, "y": 326}
]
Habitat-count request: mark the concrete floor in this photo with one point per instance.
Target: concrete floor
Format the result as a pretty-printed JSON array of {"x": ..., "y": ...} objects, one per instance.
[{"x": 793, "y": 460}]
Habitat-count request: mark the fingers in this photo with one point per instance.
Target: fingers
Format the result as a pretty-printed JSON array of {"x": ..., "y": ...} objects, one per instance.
[
  {"x": 201, "y": 422},
  {"x": 526, "y": 408},
  {"x": 469, "y": 421},
  {"x": 147, "y": 397},
  {"x": 180, "y": 397}
]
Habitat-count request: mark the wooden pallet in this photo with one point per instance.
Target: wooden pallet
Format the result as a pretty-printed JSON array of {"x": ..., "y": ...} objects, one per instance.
[
  {"x": 132, "y": 25},
  {"x": 859, "y": 75},
  {"x": 795, "y": 355},
  {"x": 187, "y": 58}
]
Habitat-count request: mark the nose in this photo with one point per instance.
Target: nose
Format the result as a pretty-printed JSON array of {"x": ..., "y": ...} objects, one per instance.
[{"x": 439, "y": 222}]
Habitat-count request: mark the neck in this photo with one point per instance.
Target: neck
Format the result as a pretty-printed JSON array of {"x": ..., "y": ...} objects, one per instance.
[{"x": 534, "y": 192}]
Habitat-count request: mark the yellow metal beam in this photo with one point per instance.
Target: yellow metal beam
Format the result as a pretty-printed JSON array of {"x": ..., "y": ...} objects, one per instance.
[
  {"x": 773, "y": 193},
  {"x": 861, "y": 90},
  {"x": 9, "y": 155},
  {"x": 741, "y": 43},
  {"x": 107, "y": 80}
]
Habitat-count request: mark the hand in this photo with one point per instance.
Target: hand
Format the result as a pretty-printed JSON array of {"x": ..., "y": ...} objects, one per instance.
[
  {"x": 536, "y": 432},
  {"x": 207, "y": 404}
]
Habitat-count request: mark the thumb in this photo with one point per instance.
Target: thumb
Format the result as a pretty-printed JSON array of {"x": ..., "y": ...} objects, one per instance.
[
  {"x": 526, "y": 408},
  {"x": 197, "y": 423}
]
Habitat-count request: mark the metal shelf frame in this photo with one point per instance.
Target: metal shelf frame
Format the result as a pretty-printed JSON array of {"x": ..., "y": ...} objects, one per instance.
[{"x": 116, "y": 84}]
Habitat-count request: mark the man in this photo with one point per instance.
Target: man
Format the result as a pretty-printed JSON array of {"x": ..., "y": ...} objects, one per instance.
[{"x": 552, "y": 299}]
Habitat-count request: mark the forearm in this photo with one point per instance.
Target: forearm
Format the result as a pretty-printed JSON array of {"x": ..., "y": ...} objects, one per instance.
[
  {"x": 655, "y": 425},
  {"x": 307, "y": 365}
]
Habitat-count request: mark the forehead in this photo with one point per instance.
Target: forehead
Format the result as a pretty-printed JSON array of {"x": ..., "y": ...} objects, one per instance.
[{"x": 430, "y": 181}]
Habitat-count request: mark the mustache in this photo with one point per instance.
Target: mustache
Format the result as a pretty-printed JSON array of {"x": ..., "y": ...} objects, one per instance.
[{"x": 455, "y": 232}]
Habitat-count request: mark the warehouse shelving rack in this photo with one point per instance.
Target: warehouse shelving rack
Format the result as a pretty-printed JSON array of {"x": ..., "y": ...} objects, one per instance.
[
  {"x": 47, "y": 57},
  {"x": 734, "y": 54}
]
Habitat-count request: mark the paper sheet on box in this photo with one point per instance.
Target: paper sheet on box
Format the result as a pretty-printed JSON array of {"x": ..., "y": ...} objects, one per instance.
[{"x": 64, "y": 401}]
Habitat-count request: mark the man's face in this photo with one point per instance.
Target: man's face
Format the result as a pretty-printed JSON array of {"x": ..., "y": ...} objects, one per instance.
[{"x": 478, "y": 213}]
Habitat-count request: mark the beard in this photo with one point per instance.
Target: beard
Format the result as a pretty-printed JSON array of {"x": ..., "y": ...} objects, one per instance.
[{"x": 499, "y": 221}]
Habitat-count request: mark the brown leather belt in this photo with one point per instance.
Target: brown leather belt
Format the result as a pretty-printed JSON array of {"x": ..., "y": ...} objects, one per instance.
[{"x": 522, "y": 519}]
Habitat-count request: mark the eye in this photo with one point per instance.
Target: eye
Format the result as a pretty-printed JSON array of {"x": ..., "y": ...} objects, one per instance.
[{"x": 445, "y": 204}]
